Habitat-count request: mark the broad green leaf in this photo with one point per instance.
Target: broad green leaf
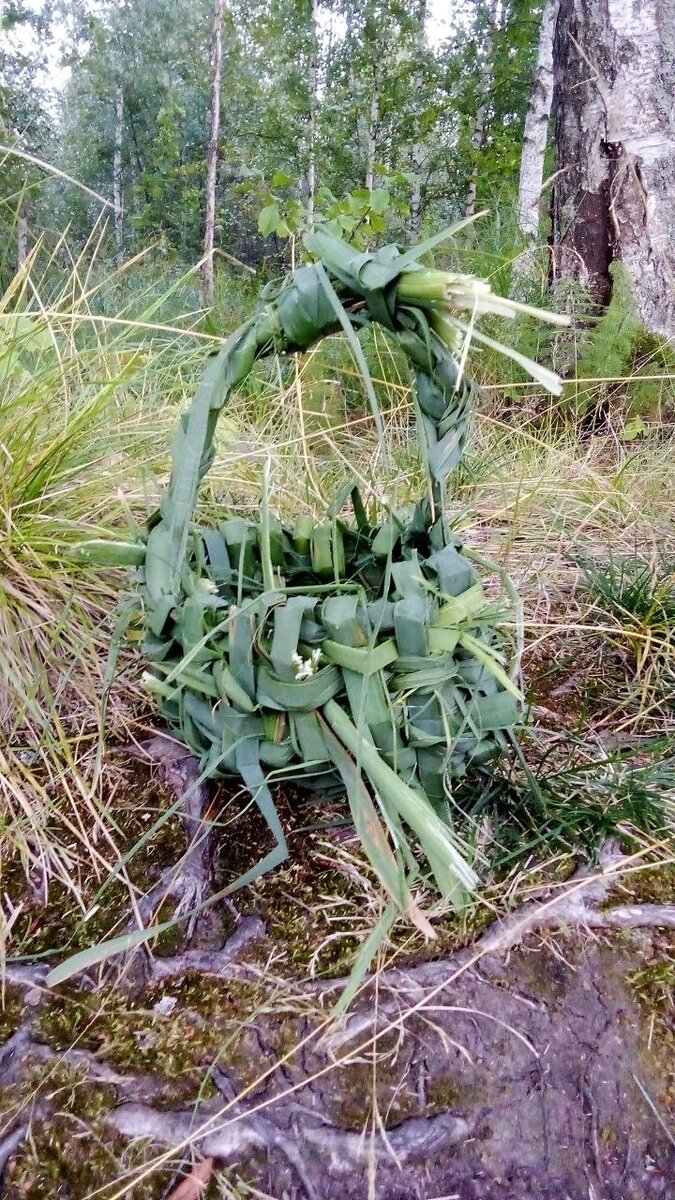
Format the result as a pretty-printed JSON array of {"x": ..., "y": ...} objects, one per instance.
[
  {"x": 269, "y": 220},
  {"x": 380, "y": 200},
  {"x": 633, "y": 429}
]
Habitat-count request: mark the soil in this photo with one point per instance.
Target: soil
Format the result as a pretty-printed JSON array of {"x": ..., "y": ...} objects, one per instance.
[{"x": 526, "y": 1063}]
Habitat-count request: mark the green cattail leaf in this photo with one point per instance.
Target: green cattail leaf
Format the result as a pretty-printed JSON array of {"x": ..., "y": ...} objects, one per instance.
[
  {"x": 372, "y": 834},
  {"x": 449, "y": 866},
  {"x": 460, "y": 608},
  {"x": 345, "y": 620},
  {"x": 355, "y": 347},
  {"x": 442, "y": 641},
  {"x": 386, "y": 538},
  {"x": 302, "y": 534},
  {"x": 300, "y": 695},
  {"x": 107, "y": 553},
  {"x": 160, "y": 580},
  {"x": 93, "y": 955},
  {"x": 412, "y": 256},
  {"x": 412, "y": 617},
  {"x": 308, "y": 735},
  {"x": 327, "y": 549},
  {"x": 363, "y": 961},
  {"x": 288, "y": 622},
  {"x": 362, "y": 660},
  {"x": 491, "y": 664},
  {"x": 230, "y": 689}
]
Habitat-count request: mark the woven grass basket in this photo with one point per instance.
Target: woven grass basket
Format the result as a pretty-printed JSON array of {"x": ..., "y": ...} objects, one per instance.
[{"x": 352, "y": 651}]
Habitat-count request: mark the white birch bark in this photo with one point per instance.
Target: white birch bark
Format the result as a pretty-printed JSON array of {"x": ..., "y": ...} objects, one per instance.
[
  {"x": 535, "y": 134},
  {"x": 417, "y": 153},
  {"x": 21, "y": 237},
  {"x": 614, "y": 196},
  {"x": 313, "y": 105},
  {"x": 212, "y": 151},
  {"x": 373, "y": 130},
  {"x": 118, "y": 177},
  {"x": 485, "y": 83}
]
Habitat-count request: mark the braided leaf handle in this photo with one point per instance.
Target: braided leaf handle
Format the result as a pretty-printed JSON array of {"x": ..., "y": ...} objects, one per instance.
[{"x": 308, "y": 308}]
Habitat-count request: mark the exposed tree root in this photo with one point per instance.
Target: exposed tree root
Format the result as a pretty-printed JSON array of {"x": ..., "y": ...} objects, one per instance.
[
  {"x": 9, "y": 1145},
  {"x": 219, "y": 963},
  {"x": 190, "y": 882},
  {"x": 577, "y": 906},
  {"x": 342, "y": 1152},
  {"x": 287, "y": 1126},
  {"x": 633, "y": 916},
  {"x": 474, "y": 1018}
]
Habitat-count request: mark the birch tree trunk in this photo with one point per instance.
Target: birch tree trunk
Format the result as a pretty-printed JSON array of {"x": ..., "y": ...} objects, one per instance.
[
  {"x": 313, "y": 84},
  {"x": 212, "y": 151},
  {"x": 614, "y": 107},
  {"x": 21, "y": 237},
  {"x": 417, "y": 153},
  {"x": 484, "y": 86},
  {"x": 373, "y": 130},
  {"x": 535, "y": 134},
  {"x": 476, "y": 146},
  {"x": 118, "y": 178}
]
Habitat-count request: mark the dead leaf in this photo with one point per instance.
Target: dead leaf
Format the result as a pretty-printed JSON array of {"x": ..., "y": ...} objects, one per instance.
[{"x": 194, "y": 1186}]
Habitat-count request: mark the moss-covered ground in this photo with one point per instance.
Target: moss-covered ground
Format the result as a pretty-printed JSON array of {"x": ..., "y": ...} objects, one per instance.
[{"x": 317, "y": 908}]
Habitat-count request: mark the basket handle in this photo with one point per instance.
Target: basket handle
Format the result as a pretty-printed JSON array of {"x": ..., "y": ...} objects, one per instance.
[{"x": 303, "y": 312}]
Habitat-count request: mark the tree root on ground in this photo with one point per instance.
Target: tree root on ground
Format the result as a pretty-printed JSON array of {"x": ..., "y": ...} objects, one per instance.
[
  {"x": 190, "y": 881},
  {"x": 342, "y": 1152},
  {"x": 225, "y": 1131},
  {"x": 220, "y": 964},
  {"x": 450, "y": 1014},
  {"x": 578, "y": 906},
  {"x": 10, "y": 1144}
]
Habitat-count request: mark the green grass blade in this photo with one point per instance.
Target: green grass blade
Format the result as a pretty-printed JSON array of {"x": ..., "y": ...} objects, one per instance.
[{"x": 362, "y": 963}]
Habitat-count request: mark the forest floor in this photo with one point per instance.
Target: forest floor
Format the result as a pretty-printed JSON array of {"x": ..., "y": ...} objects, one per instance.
[
  {"x": 529, "y": 1049},
  {"x": 531, "y": 1054}
]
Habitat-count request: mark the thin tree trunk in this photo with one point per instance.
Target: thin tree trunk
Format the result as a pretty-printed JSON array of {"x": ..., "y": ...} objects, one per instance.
[
  {"x": 536, "y": 129},
  {"x": 350, "y": 45},
  {"x": 417, "y": 154},
  {"x": 212, "y": 151},
  {"x": 476, "y": 146},
  {"x": 118, "y": 179},
  {"x": 22, "y": 237},
  {"x": 373, "y": 130},
  {"x": 313, "y": 99},
  {"x": 485, "y": 83},
  {"x": 614, "y": 194}
]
